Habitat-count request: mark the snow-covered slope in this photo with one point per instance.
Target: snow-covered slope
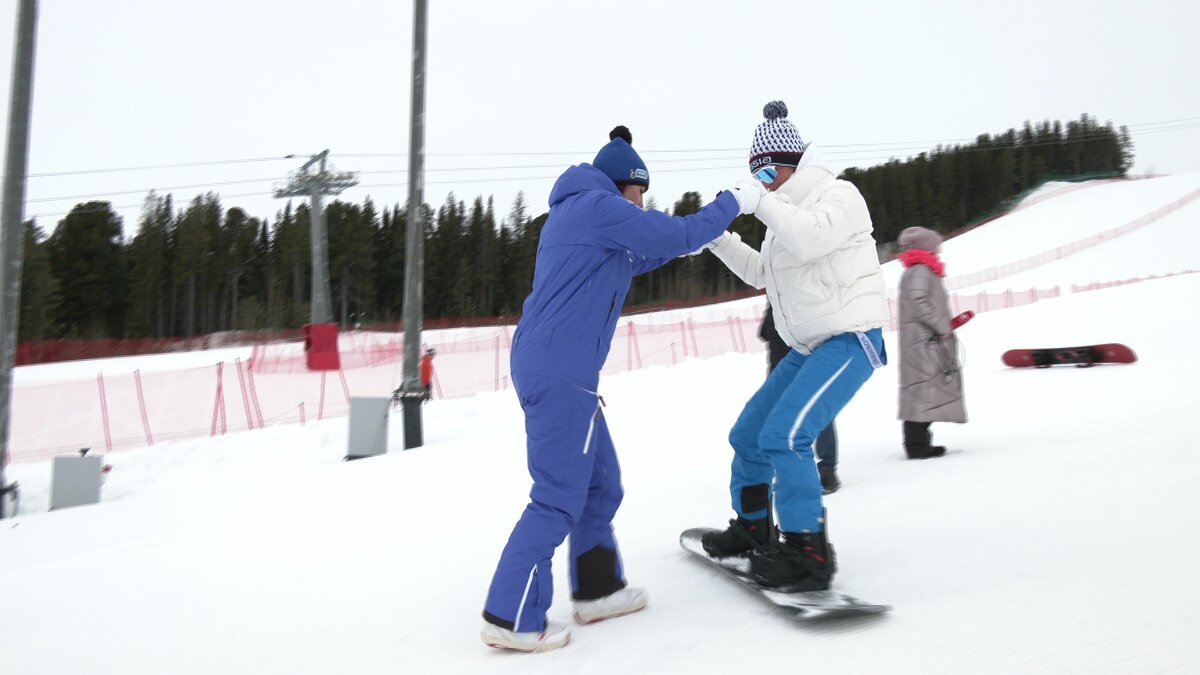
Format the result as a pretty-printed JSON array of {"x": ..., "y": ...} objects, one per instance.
[{"x": 1058, "y": 536}]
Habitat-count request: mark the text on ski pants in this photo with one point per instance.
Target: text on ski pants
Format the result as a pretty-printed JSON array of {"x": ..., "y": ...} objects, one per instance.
[
  {"x": 576, "y": 492},
  {"x": 772, "y": 438}
]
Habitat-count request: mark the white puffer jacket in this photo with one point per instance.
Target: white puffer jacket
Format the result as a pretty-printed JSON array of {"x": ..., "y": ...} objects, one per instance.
[{"x": 818, "y": 260}]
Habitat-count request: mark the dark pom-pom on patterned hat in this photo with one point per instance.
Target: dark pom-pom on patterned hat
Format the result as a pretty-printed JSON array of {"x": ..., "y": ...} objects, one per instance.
[{"x": 776, "y": 140}]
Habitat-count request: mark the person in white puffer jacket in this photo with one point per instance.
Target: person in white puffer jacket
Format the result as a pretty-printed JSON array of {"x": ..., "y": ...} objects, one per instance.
[{"x": 820, "y": 269}]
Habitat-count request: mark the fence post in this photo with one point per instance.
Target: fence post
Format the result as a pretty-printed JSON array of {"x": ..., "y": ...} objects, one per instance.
[
  {"x": 345, "y": 388},
  {"x": 692, "y": 328},
  {"x": 245, "y": 393},
  {"x": 497, "y": 363},
  {"x": 628, "y": 347},
  {"x": 254, "y": 394},
  {"x": 637, "y": 349},
  {"x": 219, "y": 402},
  {"x": 321, "y": 400},
  {"x": 683, "y": 336},
  {"x": 104, "y": 413},
  {"x": 137, "y": 380}
]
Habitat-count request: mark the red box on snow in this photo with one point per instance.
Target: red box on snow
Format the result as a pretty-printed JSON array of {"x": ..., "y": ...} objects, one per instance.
[{"x": 321, "y": 346}]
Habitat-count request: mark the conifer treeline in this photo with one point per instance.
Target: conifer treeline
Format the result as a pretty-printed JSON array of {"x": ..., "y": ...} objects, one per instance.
[
  {"x": 203, "y": 269},
  {"x": 948, "y": 188}
]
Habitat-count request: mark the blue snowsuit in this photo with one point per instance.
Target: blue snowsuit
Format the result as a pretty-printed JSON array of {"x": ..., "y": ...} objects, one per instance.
[{"x": 592, "y": 245}]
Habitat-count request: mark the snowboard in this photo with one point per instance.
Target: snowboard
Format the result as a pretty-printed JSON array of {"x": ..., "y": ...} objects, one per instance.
[
  {"x": 803, "y": 606},
  {"x": 961, "y": 319},
  {"x": 1083, "y": 357}
]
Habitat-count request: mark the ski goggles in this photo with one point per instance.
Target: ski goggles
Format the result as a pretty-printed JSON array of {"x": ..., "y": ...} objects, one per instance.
[{"x": 766, "y": 174}]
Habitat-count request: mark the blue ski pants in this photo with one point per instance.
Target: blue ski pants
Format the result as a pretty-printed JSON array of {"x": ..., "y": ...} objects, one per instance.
[
  {"x": 773, "y": 437},
  {"x": 576, "y": 492}
]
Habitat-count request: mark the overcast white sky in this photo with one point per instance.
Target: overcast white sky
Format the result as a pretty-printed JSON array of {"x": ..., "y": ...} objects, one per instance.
[{"x": 537, "y": 84}]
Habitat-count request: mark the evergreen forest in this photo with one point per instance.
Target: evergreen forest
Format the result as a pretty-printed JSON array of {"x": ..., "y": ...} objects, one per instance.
[{"x": 205, "y": 267}]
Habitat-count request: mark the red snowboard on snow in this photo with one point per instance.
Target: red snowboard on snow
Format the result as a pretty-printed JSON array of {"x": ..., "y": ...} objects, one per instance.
[{"x": 1082, "y": 357}]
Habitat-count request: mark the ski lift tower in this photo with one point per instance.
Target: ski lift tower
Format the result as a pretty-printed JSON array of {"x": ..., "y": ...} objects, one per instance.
[{"x": 315, "y": 183}]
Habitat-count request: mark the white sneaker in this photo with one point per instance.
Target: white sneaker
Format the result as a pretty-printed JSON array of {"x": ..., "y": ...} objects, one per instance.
[
  {"x": 554, "y": 636},
  {"x": 625, "y": 601}
]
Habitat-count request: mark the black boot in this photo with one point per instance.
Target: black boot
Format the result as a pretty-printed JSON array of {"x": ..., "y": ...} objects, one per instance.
[
  {"x": 803, "y": 561},
  {"x": 740, "y": 537},
  {"x": 743, "y": 535},
  {"x": 829, "y": 479},
  {"x": 917, "y": 441}
]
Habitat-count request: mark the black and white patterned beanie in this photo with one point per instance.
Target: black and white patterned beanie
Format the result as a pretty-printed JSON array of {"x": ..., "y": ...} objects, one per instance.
[{"x": 776, "y": 141}]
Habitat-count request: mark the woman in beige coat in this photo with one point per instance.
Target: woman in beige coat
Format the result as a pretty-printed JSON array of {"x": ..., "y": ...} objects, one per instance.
[{"x": 931, "y": 386}]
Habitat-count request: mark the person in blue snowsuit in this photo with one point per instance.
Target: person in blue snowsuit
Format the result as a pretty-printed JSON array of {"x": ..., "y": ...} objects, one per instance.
[{"x": 596, "y": 239}]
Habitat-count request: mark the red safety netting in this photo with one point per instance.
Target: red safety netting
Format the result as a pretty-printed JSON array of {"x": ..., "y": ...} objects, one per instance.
[
  {"x": 274, "y": 386},
  {"x": 1060, "y": 252}
]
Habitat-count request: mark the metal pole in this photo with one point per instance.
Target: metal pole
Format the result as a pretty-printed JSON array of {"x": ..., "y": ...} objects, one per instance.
[
  {"x": 412, "y": 392},
  {"x": 16, "y": 164},
  {"x": 322, "y": 308}
]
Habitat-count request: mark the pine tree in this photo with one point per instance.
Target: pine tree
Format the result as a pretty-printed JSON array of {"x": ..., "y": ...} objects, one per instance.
[
  {"x": 447, "y": 293},
  {"x": 351, "y": 261},
  {"x": 193, "y": 242},
  {"x": 238, "y": 247},
  {"x": 293, "y": 261},
  {"x": 389, "y": 266},
  {"x": 515, "y": 272},
  {"x": 148, "y": 257},
  {"x": 88, "y": 261},
  {"x": 39, "y": 288}
]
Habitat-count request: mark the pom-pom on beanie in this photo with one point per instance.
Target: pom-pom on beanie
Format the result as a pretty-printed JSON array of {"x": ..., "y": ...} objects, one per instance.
[{"x": 620, "y": 162}]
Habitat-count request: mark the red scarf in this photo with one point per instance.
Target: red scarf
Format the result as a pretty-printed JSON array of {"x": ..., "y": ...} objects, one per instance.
[{"x": 917, "y": 256}]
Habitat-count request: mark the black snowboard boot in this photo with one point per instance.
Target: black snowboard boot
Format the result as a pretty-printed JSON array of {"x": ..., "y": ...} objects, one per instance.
[
  {"x": 740, "y": 537},
  {"x": 744, "y": 535},
  {"x": 803, "y": 561},
  {"x": 829, "y": 479},
  {"x": 917, "y": 441}
]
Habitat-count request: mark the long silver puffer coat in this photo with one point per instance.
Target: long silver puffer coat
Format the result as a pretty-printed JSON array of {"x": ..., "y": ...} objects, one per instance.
[{"x": 931, "y": 384}]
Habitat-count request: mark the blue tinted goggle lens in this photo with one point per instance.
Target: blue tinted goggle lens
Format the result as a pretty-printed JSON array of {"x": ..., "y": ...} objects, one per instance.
[{"x": 766, "y": 174}]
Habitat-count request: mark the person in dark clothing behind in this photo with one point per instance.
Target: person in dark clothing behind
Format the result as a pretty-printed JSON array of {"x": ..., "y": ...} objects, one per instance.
[{"x": 826, "y": 447}]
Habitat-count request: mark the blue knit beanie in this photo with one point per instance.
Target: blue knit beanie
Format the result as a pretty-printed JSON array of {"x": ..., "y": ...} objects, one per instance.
[{"x": 620, "y": 162}]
